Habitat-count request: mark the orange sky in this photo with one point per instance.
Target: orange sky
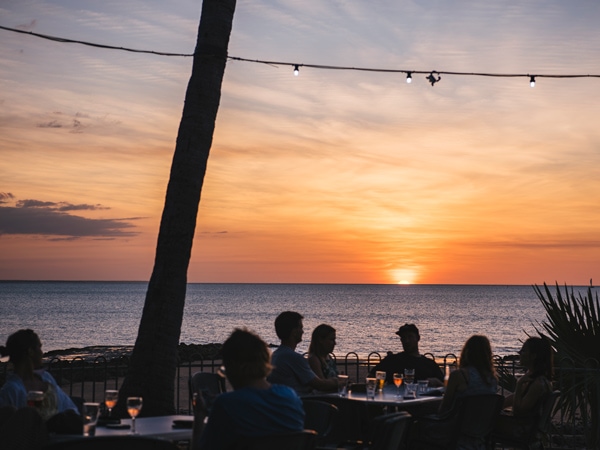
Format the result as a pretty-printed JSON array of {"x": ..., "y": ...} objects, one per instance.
[{"x": 328, "y": 177}]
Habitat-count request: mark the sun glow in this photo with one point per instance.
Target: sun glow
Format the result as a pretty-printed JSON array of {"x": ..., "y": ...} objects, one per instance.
[{"x": 403, "y": 276}]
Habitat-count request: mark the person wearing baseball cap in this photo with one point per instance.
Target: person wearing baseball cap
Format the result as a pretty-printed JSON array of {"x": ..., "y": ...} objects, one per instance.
[{"x": 410, "y": 358}]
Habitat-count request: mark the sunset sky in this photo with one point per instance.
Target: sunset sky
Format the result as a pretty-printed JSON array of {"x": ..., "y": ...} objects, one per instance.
[{"x": 333, "y": 176}]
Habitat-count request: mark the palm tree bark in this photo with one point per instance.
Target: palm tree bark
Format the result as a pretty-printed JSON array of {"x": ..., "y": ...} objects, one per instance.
[{"x": 153, "y": 363}]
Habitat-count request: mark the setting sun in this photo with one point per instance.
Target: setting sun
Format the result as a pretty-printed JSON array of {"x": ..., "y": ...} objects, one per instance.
[{"x": 403, "y": 276}]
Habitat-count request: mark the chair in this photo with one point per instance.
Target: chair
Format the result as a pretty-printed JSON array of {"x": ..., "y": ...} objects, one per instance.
[
  {"x": 298, "y": 440},
  {"x": 207, "y": 384},
  {"x": 538, "y": 430},
  {"x": 112, "y": 443},
  {"x": 351, "y": 422},
  {"x": 389, "y": 430},
  {"x": 212, "y": 382},
  {"x": 472, "y": 420},
  {"x": 319, "y": 416}
]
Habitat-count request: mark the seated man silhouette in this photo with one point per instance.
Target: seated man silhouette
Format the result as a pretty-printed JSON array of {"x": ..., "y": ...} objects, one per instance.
[
  {"x": 255, "y": 407},
  {"x": 291, "y": 368},
  {"x": 410, "y": 358}
]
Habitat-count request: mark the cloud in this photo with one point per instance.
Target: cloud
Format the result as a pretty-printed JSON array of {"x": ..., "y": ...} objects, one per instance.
[
  {"x": 35, "y": 217},
  {"x": 5, "y": 197},
  {"x": 58, "y": 206}
]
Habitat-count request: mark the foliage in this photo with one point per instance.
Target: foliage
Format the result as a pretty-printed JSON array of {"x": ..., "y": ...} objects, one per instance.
[{"x": 573, "y": 327}]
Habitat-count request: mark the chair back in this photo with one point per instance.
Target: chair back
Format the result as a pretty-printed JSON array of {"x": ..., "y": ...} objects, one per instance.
[
  {"x": 477, "y": 415},
  {"x": 351, "y": 422},
  {"x": 546, "y": 411},
  {"x": 297, "y": 440},
  {"x": 207, "y": 384},
  {"x": 535, "y": 428},
  {"x": 125, "y": 442},
  {"x": 389, "y": 430},
  {"x": 212, "y": 382},
  {"x": 319, "y": 416}
]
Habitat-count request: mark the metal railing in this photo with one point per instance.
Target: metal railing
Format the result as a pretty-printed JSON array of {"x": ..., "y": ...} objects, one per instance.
[{"x": 580, "y": 386}]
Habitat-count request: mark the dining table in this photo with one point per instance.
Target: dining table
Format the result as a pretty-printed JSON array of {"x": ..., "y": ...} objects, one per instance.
[
  {"x": 172, "y": 428},
  {"x": 356, "y": 410}
]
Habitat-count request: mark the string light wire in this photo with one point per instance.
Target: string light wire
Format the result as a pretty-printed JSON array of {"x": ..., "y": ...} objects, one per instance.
[{"x": 409, "y": 73}]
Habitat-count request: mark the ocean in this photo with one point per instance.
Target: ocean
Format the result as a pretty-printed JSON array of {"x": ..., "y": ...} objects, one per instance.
[{"x": 80, "y": 314}]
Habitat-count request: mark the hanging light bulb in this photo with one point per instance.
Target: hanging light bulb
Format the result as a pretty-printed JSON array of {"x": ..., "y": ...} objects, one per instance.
[
  {"x": 296, "y": 70},
  {"x": 532, "y": 81},
  {"x": 409, "y": 77}
]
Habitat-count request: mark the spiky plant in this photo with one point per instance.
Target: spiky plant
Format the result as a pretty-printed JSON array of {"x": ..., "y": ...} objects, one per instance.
[{"x": 572, "y": 325}]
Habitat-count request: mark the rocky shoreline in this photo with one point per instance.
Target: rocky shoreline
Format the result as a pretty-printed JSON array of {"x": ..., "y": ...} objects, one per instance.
[{"x": 187, "y": 352}]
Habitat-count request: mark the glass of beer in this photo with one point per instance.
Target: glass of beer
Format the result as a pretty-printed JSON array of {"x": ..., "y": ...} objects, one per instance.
[{"x": 380, "y": 375}]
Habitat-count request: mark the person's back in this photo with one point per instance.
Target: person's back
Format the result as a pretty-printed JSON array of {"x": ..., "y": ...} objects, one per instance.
[
  {"x": 476, "y": 374},
  {"x": 255, "y": 407},
  {"x": 251, "y": 412},
  {"x": 291, "y": 369}
]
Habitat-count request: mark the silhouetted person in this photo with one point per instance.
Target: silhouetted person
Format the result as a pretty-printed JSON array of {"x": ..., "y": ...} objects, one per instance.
[
  {"x": 255, "y": 407},
  {"x": 291, "y": 368},
  {"x": 410, "y": 358}
]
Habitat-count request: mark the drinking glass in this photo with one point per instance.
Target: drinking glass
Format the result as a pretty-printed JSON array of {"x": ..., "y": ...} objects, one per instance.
[
  {"x": 134, "y": 405},
  {"x": 110, "y": 400},
  {"x": 342, "y": 385},
  {"x": 422, "y": 387},
  {"x": 380, "y": 375},
  {"x": 409, "y": 376},
  {"x": 410, "y": 390},
  {"x": 35, "y": 398},
  {"x": 90, "y": 418},
  {"x": 398, "y": 378},
  {"x": 371, "y": 388}
]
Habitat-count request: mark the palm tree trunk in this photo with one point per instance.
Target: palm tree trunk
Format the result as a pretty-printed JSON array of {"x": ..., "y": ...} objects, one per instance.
[{"x": 154, "y": 359}]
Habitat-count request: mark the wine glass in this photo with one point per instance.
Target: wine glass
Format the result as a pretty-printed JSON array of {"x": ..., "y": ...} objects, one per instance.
[
  {"x": 110, "y": 400},
  {"x": 398, "y": 378},
  {"x": 409, "y": 375},
  {"x": 134, "y": 405}
]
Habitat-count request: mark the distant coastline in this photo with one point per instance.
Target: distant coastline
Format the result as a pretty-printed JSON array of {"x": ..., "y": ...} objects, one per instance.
[{"x": 187, "y": 352}]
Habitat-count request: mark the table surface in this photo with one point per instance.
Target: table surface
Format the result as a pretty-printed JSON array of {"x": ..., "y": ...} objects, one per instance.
[
  {"x": 159, "y": 427},
  {"x": 389, "y": 398}
]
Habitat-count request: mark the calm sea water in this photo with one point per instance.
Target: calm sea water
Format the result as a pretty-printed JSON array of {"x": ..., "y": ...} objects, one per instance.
[{"x": 79, "y": 314}]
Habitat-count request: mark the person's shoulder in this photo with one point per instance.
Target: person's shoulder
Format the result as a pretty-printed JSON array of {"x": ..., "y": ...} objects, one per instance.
[
  {"x": 394, "y": 356},
  {"x": 427, "y": 360},
  {"x": 12, "y": 382},
  {"x": 313, "y": 357},
  {"x": 47, "y": 376},
  {"x": 282, "y": 390}
]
